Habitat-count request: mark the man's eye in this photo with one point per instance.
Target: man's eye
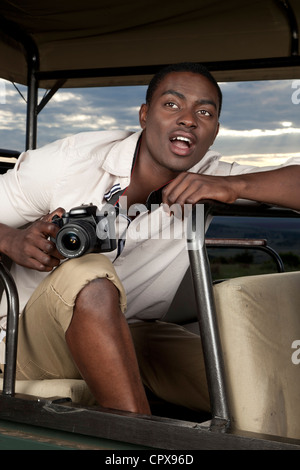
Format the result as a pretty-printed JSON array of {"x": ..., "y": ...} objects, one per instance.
[
  {"x": 204, "y": 112},
  {"x": 170, "y": 104}
]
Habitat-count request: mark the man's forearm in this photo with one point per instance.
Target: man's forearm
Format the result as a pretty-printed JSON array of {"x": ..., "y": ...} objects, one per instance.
[{"x": 279, "y": 187}]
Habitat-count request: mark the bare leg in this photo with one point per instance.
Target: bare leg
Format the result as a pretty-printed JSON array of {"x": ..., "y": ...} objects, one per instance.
[{"x": 101, "y": 345}]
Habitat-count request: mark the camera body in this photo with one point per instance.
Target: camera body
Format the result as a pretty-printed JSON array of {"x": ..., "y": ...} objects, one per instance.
[{"x": 85, "y": 229}]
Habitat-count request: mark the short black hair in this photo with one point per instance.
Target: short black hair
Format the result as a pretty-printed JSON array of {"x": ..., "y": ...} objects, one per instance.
[{"x": 193, "y": 67}]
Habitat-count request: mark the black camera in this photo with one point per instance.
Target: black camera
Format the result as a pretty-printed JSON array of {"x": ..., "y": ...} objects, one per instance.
[{"x": 85, "y": 229}]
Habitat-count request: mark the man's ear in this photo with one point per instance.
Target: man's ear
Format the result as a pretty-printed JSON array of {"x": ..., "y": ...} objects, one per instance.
[{"x": 143, "y": 115}]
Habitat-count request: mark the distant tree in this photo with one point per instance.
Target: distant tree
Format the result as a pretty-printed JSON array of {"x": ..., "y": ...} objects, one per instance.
[
  {"x": 245, "y": 258},
  {"x": 290, "y": 259}
]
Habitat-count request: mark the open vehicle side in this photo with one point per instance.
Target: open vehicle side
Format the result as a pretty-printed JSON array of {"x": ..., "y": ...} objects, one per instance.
[{"x": 176, "y": 429}]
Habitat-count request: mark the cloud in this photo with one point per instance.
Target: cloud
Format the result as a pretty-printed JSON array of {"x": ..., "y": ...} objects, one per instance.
[
  {"x": 261, "y": 159},
  {"x": 259, "y": 121},
  {"x": 10, "y": 120},
  {"x": 90, "y": 109},
  {"x": 250, "y": 133},
  {"x": 263, "y": 105},
  {"x": 81, "y": 121},
  {"x": 65, "y": 96}
]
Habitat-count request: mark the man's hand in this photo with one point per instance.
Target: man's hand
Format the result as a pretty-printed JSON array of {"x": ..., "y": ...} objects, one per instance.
[
  {"x": 279, "y": 187},
  {"x": 31, "y": 247},
  {"x": 190, "y": 188}
]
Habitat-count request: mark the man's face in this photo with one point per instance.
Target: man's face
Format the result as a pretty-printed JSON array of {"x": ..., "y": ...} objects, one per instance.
[{"x": 181, "y": 122}]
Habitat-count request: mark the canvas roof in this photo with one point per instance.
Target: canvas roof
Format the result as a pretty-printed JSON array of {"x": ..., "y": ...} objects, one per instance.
[{"x": 123, "y": 42}]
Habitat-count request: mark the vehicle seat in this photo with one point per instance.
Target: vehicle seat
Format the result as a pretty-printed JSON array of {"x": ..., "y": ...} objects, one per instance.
[
  {"x": 259, "y": 319},
  {"x": 76, "y": 390}
]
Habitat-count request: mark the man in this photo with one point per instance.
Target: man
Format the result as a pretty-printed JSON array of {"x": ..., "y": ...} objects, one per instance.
[{"x": 76, "y": 322}]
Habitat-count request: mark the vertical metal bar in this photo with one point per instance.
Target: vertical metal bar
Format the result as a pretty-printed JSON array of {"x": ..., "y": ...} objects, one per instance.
[
  {"x": 11, "y": 341},
  {"x": 14, "y": 31},
  {"x": 291, "y": 17},
  {"x": 32, "y": 101},
  {"x": 211, "y": 344}
]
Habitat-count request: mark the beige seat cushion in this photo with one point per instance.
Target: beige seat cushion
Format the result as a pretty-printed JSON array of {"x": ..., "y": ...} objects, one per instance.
[
  {"x": 259, "y": 319},
  {"x": 77, "y": 390}
]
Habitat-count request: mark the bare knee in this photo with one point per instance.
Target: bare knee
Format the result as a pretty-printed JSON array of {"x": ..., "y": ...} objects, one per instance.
[
  {"x": 100, "y": 297},
  {"x": 96, "y": 310}
]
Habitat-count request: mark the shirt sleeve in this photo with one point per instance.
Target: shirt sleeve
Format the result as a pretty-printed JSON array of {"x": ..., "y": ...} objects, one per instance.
[{"x": 25, "y": 191}]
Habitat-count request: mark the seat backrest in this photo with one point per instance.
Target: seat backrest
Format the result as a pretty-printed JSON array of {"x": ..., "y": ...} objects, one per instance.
[{"x": 259, "y": 322}]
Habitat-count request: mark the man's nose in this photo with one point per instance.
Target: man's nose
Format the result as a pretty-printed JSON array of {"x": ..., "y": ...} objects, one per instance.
[{"x": 187, "y": 118}]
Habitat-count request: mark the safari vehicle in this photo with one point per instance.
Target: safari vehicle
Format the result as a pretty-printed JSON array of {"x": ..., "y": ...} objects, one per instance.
[{"x": 49, "y": 45}]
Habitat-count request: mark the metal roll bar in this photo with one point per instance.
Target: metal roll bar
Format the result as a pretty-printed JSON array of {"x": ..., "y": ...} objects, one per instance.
[
  {"x": 247, "y": 243},
  {"x": 203, "y": 286},
  {"x": 207, "y": 320},
  {"x": 12, "y": 331}
]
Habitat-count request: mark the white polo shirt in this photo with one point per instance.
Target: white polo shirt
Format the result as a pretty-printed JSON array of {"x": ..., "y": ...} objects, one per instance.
[{"x": 82, "y": 169}]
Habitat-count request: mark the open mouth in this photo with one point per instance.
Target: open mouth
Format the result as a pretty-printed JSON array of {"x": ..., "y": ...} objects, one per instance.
[
  {"x": 182, "y": 141},
  {"x": 181, "y": 145}
]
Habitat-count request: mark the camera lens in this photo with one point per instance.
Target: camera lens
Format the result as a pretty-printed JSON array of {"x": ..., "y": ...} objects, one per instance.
[
  {"x": 71, "y": 241},
  {"x": 76, "y": 239}
]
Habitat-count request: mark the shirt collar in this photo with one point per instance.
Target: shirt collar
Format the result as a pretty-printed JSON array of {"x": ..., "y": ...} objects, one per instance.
[
  {"x": 115, "y": 192},
  {"x": 120, "y": 157}
]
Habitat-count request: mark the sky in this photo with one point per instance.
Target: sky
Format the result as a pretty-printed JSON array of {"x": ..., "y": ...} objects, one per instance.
[{"x": 259, "y": 124}]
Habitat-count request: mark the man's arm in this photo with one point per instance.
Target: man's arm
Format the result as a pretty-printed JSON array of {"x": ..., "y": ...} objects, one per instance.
[{"x": 277, "y": 187}]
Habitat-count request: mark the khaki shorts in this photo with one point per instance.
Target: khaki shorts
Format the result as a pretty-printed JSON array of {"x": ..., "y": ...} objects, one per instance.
[
  {"x": 42, "y": 349},
  {"x": 170, "y": 358}
]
